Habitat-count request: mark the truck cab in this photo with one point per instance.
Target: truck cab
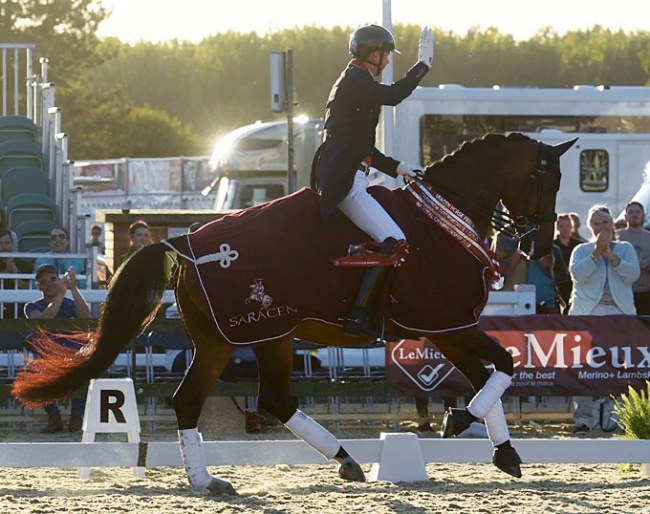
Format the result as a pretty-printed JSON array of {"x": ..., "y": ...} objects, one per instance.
[{"x": 251, "y": 162}]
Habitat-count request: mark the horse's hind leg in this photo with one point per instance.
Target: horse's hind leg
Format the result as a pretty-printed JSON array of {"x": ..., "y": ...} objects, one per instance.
[
  {"x": 467, "y": 355},
  {"x": 210, "y": 358},
  {"x": 275, "y": 363}
]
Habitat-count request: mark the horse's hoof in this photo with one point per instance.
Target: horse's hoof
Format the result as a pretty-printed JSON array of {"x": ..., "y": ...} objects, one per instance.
[
  {"x": 507, "y": 460},
  {"x": 351, "y": 471},
  {"x": 455, "y": 422},
  {"x": 221, "y": 488}
]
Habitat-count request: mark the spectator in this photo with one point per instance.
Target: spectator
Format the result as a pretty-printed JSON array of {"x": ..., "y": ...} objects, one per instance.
[
  {"x": 603, "y": 272},
  {"x": 514, "y": 265},
  {"x": 575, "y": 234},
  {"x": 60, "y": 244},
  {"x": 14, "y": 237},
  {"x": 12, "y": 265},
  {"x": 544, "y": 275},
  {"x": 96, "y": 238},
  {"x": 139, "y": 237},
  {"x": 639, "y": 238},
  {"x": 565, "y": 243},
  {"x": 55, "y": 304}
]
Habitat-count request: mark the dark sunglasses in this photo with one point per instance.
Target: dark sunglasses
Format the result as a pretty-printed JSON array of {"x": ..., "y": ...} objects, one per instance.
[{"x": 54, "y": 237}]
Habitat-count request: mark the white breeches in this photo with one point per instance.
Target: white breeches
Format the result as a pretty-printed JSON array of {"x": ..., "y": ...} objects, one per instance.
[{"x": 367, "y": 213}]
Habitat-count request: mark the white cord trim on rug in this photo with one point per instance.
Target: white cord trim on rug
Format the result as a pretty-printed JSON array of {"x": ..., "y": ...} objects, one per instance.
[{"x": 225, "y": 256}]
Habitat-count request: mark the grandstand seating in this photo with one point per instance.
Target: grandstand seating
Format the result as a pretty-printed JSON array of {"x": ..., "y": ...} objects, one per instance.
[
  {"x": 24, "y": 179},
  {"x": 34, "y": 235},
  {"x": 17, "y": 128},
  {"x": 16, "y": 153},
  {"x": 29, "y": 207}
]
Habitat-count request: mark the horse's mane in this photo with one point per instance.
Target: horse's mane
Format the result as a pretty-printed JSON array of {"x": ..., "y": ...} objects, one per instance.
[{"x": 469, "y": 149}]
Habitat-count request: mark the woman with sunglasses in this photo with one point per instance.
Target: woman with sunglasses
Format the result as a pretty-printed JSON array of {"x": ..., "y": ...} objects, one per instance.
[{"x": 60, "y": 245}]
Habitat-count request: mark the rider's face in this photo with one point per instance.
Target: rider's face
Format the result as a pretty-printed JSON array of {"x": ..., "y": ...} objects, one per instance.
[{"x": 384, "y": 61}]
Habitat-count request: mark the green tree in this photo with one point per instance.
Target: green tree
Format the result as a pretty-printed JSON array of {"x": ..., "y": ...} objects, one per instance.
[
  {"x": 65, "y": 29},
  {"x": 222, "y": 82},
  {"x": 151, "y": 132}
]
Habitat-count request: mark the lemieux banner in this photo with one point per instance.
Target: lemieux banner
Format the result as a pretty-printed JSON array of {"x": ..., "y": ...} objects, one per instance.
[{"x": 553, "y": 356}]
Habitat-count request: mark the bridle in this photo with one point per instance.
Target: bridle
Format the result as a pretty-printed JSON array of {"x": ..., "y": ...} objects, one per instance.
[{"x": 521, "y": 226}]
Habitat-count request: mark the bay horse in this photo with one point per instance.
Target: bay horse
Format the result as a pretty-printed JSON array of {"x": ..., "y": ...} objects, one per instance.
[{"x": 265, "y": 275}]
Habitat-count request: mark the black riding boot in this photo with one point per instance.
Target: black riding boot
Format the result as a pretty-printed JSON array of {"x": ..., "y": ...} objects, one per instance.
[{"x": 360, "y": 319}]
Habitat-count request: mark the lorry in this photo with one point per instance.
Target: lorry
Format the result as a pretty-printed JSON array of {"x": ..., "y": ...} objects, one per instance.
[
  {"x": 250, "y": 164},
  {"x": 604, "y": 167}
]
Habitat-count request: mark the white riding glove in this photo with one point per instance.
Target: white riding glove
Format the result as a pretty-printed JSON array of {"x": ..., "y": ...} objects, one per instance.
[
  {"x": 406, "y": 170},
  {"x": 425, "y": 50}
]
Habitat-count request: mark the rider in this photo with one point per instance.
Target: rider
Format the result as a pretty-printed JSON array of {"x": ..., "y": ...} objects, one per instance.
[{"x": 343, "y": 161}]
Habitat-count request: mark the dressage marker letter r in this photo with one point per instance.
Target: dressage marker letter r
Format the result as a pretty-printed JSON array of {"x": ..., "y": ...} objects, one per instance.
[{"x": 111, "y": 400}]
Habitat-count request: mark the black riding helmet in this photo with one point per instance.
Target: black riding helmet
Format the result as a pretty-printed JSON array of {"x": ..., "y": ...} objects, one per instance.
[{"x": 369, "y": 38}]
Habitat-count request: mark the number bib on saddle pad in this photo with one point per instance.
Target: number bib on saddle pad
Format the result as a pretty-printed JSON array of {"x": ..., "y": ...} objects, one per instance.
[{"x": 265, "y": 269}]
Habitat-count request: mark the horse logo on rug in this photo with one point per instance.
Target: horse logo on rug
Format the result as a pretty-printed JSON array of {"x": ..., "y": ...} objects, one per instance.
[{"x": 258, "y": 295}]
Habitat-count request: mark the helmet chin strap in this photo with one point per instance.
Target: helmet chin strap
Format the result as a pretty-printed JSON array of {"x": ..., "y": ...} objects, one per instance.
[{"x": 377, "y": 65}]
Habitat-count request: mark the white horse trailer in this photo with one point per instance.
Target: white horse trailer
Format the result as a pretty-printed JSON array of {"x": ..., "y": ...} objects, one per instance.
[{"x": 604, "y": 167}]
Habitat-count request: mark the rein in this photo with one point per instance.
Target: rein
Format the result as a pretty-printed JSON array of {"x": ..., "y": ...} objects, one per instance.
[{"x": 457, "y": 224}]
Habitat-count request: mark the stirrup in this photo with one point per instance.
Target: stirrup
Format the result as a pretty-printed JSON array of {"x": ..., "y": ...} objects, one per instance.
[
  {"x": 355, "y": 326},
  {"x": 372, "y": 253}
]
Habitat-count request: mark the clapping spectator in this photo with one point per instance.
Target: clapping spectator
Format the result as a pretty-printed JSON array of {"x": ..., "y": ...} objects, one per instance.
[
  {"x": 60, "y": 245},
  {"x": 55, "y": 304},
  {"x": 603, "y": 272}
]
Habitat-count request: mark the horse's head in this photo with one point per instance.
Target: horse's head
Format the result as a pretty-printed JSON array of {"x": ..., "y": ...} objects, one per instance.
[{"x": 530, "y": 195}]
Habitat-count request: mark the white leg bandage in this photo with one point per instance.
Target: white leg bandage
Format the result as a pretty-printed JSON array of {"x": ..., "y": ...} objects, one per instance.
[
  {"x": 194, "y": 459},
  {"x": 492, "y": 391},
  {"x": 496, "y": 425},
  {"x": 313, "y": 434}
]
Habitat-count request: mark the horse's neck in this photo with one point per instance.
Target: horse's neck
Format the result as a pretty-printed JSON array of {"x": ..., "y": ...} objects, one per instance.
[{"x": 470, "y": 198}]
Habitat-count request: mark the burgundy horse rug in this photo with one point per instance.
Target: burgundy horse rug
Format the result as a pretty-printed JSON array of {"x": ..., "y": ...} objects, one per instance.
[{"x": 265, "y": 269}]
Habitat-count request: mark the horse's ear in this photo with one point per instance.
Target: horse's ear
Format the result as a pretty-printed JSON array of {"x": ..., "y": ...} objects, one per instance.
[{"x": 561, "y": 148}]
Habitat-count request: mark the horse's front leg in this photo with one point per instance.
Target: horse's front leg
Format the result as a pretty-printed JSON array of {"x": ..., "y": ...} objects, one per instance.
[
  {"x": 467, "y": 355},
  {"x": 275, "y": 362}
]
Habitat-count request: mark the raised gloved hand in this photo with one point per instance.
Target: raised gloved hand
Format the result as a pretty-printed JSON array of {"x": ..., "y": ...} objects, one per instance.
[
  {"x": 425, "y": 50},
  {"x": 406, "y": 170}
]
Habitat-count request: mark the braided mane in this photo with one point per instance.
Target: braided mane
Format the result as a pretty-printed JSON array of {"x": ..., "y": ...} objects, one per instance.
[{"x": 470, "y": 148}]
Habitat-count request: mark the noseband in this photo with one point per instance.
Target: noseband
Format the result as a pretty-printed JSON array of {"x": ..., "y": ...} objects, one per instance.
[{"x": 521, "y": 226}]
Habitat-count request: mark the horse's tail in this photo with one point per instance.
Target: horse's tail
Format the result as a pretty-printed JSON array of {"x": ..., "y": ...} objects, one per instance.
[{"x": 132, "y": 300}]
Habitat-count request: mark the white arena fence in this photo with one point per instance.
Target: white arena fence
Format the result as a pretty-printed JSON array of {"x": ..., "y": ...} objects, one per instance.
[{"x": 294, "y": 452}]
